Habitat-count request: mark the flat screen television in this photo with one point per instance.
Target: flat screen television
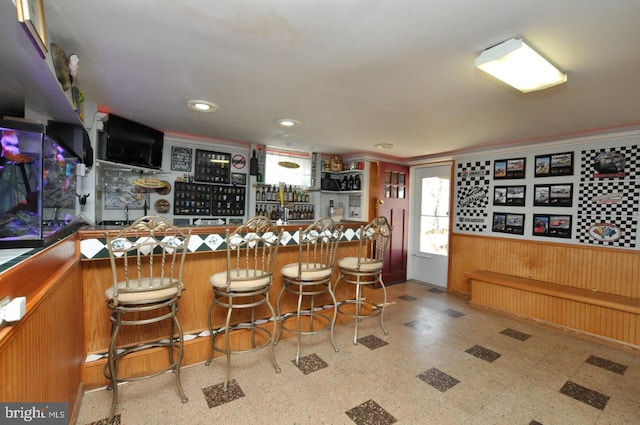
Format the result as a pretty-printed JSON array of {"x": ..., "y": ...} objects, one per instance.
[{"x": 132, "y": 143}]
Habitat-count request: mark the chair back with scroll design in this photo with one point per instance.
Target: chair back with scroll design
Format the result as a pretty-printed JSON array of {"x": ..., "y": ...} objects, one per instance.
[
  {"x": 310, "y": 277},
  {"x": 251, "y": 251},
  {"x": 365, "y": 270},
  {"x": 147, "y": 260}
]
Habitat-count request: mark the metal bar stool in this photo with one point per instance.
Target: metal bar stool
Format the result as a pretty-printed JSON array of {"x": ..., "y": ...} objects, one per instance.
[
  {"x": 147, "y": 259},
  {"x": 366, "y": 270},
  {"x": 309, "y": 277},
  {"x": 251, "y": 254}
]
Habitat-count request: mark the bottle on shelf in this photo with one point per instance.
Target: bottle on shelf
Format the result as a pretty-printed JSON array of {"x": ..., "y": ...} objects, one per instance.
[
  {"x": 357, "y": 183},
  {"x": 253, "y": 164}
]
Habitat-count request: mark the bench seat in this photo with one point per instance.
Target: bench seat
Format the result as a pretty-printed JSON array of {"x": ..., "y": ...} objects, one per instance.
[{"x": 607, "y": 315}]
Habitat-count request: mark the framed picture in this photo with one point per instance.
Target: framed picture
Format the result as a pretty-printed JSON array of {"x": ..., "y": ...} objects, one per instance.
[
  {"x": 239, "y": 179},
  {"x": 556, "y": 195},
  {"x": 509, "y": 195},
  {"x": 609, "y": 164},
  {"x": 509, "y": 168},
  {"x": 181, "y": 158},
  {"x": 508, "y": 223},
  {"x": 557, "y": 164},
  {"x": 555, "y": 226},
  {"x": 31, "y": 17}
]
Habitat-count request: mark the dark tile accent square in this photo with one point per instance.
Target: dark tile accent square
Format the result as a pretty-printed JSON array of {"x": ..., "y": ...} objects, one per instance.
[
  {"x": 407, "y": 298},
  {"x": 436, "y": 290},
  {"x": 483, "y": 353},
  {"x": 105, "y": 421},
  {"x": 516, "y": 334},
  {"x": 453, "y": 313},
  {"x": 585, "y": 395},
  {"x": 370, "y": 413},
  {"x": 609, "y": 365},
  {"x": 418, "y": 325},
  {"x": 372, "y": 342},
  {"x": 310, "y": 363},
  {"x": 438, "y": 379},
  {"x": 216, "y": 395}
]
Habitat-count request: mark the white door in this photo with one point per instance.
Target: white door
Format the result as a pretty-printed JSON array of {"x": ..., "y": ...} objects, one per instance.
[{"x": 429, "y": 246}]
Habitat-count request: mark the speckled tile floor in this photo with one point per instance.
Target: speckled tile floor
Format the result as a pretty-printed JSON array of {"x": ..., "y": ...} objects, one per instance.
[{"x": 442, "y": 362}]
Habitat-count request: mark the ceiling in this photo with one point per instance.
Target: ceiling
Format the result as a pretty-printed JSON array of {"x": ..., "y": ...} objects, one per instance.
[{"x": 355, "y": 73}]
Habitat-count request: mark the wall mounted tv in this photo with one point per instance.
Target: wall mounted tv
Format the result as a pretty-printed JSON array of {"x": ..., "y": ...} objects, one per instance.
[{"x": 131, "y": 143}]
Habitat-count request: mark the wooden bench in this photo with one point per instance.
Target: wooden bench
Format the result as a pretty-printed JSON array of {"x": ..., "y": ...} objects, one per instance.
[{"x": 608, "y": 315}]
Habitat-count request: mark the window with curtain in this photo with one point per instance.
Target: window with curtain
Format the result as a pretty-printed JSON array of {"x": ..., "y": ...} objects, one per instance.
[{"x": 291, "y": 167}]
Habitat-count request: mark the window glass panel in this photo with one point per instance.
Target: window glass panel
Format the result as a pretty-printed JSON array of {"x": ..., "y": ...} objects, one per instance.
[
  {"x": 434, "y": 238},
  {"x": 290, "y": 167},
  {"x": 434, "y": 216}
]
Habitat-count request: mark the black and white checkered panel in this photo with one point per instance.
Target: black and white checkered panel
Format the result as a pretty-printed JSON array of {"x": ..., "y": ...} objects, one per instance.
[
  {"x": 630, "y": 153},
  {"x": 608, "y": 208},
  {"x": 472, "y": 196}
]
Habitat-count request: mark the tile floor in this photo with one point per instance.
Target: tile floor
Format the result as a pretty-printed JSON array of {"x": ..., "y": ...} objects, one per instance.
[{"x": 443, "y": 362}]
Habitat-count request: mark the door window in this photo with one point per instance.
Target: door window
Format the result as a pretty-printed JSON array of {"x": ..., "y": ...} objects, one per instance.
[{"x": 434, "y": 216}]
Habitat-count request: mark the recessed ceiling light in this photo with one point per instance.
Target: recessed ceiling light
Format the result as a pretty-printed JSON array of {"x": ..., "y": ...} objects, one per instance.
[
  {"x": 287, "y": 122},
  {"x": 202, "y": 106},
  {"x": 385, "y": 146}
]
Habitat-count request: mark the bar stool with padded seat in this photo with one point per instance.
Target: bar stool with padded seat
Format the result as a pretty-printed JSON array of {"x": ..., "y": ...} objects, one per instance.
[
  {"x": 251, "y": 253},
  {"x": 365, "y": 270},
  {"x": 309, "y": 277},
  {"x": 147, "y": 259}
]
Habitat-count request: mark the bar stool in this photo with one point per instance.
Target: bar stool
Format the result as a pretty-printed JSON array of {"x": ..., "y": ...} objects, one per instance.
[
  {"x": 309, "y": 277},
  {"x": 147, "y": 259},
  {"x": 251, "y": 253},
  {"x": 366, "y": 270}
]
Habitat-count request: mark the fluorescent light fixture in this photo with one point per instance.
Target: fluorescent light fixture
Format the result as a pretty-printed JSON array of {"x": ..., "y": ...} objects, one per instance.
[
  {"x": 520, "y": 66},
  {"x": 202, "y": 106}
]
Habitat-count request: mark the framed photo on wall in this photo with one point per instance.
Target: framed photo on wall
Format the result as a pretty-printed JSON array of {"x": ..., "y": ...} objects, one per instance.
[
  {"x": 513, "y": 196},
  {"x": 239, "y": 179},
  {"x": 509, "y": 168},
  {"x": 556, "y": 195},
  {"x": 508, "y": 223},
  {"x": 31, "y": 17},
  {"x": 557, "y": 164},
  {"x": 555, "y": 226}
]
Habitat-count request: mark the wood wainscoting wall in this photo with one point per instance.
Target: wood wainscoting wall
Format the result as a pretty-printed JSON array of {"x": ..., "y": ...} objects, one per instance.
[
  {"x": 41, "y": 355},
  {"x": 597, "y": 269}
]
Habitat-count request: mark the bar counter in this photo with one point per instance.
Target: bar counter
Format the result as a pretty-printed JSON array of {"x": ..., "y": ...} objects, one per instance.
[{"x": 206, "y": 256}]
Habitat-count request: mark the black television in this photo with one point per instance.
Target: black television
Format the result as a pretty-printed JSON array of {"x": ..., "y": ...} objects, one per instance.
[{"x": 131, "y": 143}]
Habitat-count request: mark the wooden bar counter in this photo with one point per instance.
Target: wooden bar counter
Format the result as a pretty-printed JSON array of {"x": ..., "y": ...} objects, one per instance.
[{"x": 205, "y": 258}]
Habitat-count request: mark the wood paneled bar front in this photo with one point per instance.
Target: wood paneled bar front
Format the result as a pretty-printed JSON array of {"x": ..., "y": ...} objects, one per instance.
[
  {"x": 206, "y": 256},
  {"x": 41, "y": 355}
]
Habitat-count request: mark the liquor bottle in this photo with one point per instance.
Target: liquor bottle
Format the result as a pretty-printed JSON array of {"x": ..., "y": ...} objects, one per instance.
[
  {"x": 357, "y": 183},
  {"x": 343, "y": 183},
  {"x": 253, "y": 164}
]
